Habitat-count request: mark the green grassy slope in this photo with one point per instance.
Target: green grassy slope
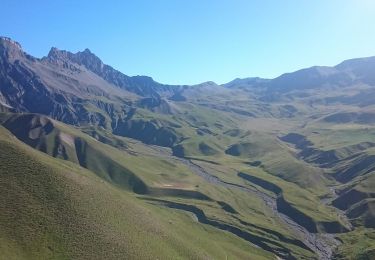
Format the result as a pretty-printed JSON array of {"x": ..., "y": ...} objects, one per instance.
[
  {"x": 132, "y": 166},
  {"x": 54, "y": 209}
]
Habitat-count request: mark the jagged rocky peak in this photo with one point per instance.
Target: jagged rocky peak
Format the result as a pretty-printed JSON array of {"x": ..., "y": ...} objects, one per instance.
[
  {"x": 6, "y": 41},
  {"x": 10, "y": 49},
  {"x": 62, "y": 58},
  {"x": 56, "y": 54},
  {"x": 89, "y": 60},
  {"x": 85, "y": 58}
]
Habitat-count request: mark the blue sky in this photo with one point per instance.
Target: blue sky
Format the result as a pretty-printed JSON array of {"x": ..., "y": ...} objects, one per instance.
[{"x": 192, "y": 41}]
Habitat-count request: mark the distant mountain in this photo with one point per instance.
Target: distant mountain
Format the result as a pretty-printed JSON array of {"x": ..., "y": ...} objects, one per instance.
[
  {"x": 59, "y": 88},
  {"x": 140, "y": 85},
  {"x": 361, "y": 69},
  {"x": 355, "y": 71},
  {"x": 246, "y": 82},
  {"x": 79, "y": 89},
  {"x": 70, "y": 87},
  {"x": 313, "y": 77}
]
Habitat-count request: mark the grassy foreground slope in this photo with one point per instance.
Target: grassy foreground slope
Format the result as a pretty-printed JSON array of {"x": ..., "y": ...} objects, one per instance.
[
  {"x": 152, "y": 171},
  {"x": 54, "y": 209}
]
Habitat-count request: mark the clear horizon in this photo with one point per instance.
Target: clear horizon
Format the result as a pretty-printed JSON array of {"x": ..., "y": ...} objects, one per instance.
[{"x": 191, "y": 42}]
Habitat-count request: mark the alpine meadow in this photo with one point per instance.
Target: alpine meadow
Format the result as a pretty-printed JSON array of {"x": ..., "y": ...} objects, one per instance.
[{"x": 96, "y": 164}]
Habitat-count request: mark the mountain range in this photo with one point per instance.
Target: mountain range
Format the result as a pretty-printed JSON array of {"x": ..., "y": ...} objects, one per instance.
[{"x": 96, "y": 164}]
